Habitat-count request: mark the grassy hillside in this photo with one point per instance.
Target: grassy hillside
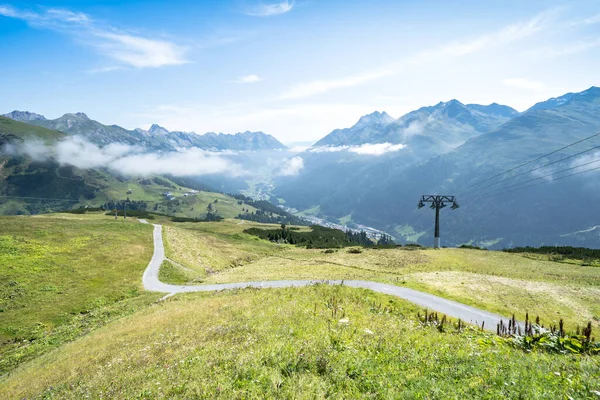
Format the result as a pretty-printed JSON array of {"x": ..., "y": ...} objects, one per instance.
[
  {"x": 22, "y": 130},
  {"x": 500, "y": 282},
  {"x": 55, "y": 268},
  {"x": 73, "y": 286},
  {"x": 309, "y": 343},
  {"x": 31, "y": 187}
]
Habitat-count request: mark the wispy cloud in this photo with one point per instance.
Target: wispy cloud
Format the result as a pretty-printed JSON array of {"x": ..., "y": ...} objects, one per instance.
[
  {"x": 321, "y": 86},
  {"x": 566, "y": 49},
  {"x": 504, "y": 36},
  {"x": 101, "y": 70},
  {"x": 271, "y": 9},
  {"x": 128, "y": 49},
  {"x": 139, "y": 52},
  {"x": 292, "y": 167},
  {"x": 594, "y": 19},
  {"x": 368, "y": 149},
  {"x": 523, "y": 83},
  {"x": 128, "y": 160},
  {"x": 248, "y": 79}
]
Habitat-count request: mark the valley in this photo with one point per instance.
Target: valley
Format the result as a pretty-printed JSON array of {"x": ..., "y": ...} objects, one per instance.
[{"x": 281, "y": 199}]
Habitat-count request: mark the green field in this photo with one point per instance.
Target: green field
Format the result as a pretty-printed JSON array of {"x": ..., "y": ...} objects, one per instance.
[
  {"x": 56, "y": 268},
  {"x": 496, "y": 281},
  {"x": 77, "y": 324},
  {"x": 294, "y": 343},
  {"x": 19, "y": 129}
]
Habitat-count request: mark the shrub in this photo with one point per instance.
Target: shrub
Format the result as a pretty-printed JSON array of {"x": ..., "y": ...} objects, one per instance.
[
  {"x": 354, "y": 250},
  {"x": 468, "y": 246}
]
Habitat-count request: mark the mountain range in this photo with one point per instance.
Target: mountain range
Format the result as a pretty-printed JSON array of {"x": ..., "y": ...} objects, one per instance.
[
  {"x": 382, "y": 191},
  {"x": 155, "y": 138},
  {"x": 374, "y": 172}
]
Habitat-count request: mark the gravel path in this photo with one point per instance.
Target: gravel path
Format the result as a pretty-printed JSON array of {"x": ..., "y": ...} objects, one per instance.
[{"x": 450, "y": 308}]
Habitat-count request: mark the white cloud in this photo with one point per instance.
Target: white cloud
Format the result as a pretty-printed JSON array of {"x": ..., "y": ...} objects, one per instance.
[
  {"x": 369, "y": 149},
  {"x": 522, "y": 83},
  {"x": 292, "y": 167},
  {"x": 101, "y": 70},
  {"x": 249, "y": 79},
  {"x": 377, "y": 149},
  {"x": 139, "y": 52},
  {"x": 567, "y": 49},
  {"x": 414, "y": 128},
  {"x": 592, "y": 20},
  {"x": 268, "y": 10},
  {"x": 129, "y": 49},
  {"x": 130, "y": 160},
  {"x": 501, "y": 37},
  {"x": 321, "y": 86},
  {"x": 67, "y": 15}
]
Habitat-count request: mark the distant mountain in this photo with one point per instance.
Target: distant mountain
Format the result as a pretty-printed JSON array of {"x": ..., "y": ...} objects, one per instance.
[
  {"x": 332, "y": 172},
  {"x": 427, "y": 131},
  {"x": 366, "y": 130},
  {"x": 156, "y": 137},
  {"x": 384, "y": 196},
  {"x": 24, "y": 116},
  {"x": 32, "y": 184},
  {"x": 564, "y": 99},
  {"x": 158, "y": 130},
  {"x": 495, "y": 109}
]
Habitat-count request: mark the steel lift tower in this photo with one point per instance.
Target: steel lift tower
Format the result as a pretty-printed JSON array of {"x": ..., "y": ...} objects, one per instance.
[{"x": 437, "y": 203}]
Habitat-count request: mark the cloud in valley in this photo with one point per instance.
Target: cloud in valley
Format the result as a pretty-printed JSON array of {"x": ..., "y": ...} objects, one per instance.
[
  {"x": 292, "y": 167},
  {"x": 129, "y": 160},
  {"x": 414, "y": 128},
  {"x": 369, "y": 149}
]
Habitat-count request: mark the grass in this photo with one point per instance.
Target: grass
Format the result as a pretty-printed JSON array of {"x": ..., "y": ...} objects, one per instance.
[
  {"x": 312, "y": 211},
  {"x": 175, "y": 274},
  {"x": 111, "y": 340},
  {"x": 57, "y": 267},
  {"x": 312, "y": 342},
  {"x": 408, "y": 233},
  {"x": 196, "y": 205},
  {"x": 496, "y": 281},
  {"x": 23, "y": 130},
  {"x": 208, "y": 248}
]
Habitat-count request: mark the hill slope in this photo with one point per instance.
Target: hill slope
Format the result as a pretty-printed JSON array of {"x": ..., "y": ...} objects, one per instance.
[{"x": 33, "y": 186}]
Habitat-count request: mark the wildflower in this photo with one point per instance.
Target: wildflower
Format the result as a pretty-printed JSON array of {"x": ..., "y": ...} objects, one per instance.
[{"x": 344, "y": 321}]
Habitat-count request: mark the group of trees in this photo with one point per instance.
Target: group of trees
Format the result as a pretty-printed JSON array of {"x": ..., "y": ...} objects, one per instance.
[
  {"x": 267, "y": 217},
  {"x": 319, "y": 237},
  {"x": 267, "y": 212},
  {"x": 139, "y": 205},
  {"x": 576, "y": 253}
]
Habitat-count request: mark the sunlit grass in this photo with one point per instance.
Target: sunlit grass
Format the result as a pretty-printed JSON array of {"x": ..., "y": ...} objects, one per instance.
[
  {"x": 58, "y": 266},
  {"x": 311, "y": 342},
  {"x": 499, "y": 282}
]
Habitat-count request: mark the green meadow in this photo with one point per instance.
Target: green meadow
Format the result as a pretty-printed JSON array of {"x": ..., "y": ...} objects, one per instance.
[{"x": 76, "y": 322}]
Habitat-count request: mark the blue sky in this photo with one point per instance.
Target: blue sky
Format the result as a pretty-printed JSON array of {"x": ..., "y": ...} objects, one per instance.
[{"x": 294, "y": 69}]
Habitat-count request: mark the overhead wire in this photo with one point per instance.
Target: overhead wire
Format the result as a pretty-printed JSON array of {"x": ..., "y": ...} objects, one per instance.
[
  {"x": 531, "y": 162},
  {"x": 543, "y": 182}
]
